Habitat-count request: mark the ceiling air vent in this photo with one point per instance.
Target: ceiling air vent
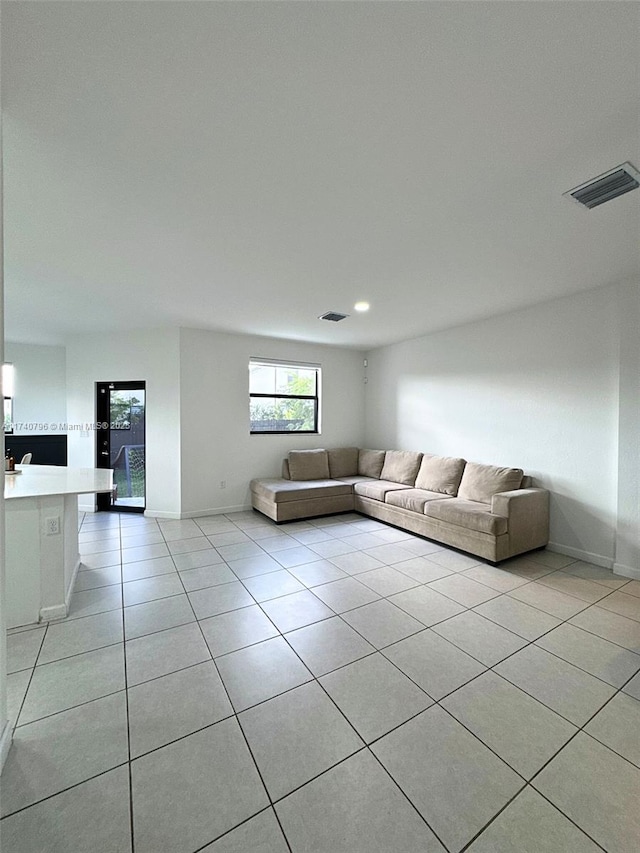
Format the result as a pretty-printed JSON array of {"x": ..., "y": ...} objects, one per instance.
[
  {"x": 334, "y": 316},
  {"x": 613, "y": 183}
]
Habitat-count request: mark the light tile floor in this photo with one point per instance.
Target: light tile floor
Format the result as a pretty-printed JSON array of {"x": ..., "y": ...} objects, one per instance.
[{"x": 225, "y": 684}]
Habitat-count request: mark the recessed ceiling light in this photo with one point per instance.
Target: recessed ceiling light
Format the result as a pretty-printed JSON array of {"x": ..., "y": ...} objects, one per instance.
[{"x": 361, "y": 306}]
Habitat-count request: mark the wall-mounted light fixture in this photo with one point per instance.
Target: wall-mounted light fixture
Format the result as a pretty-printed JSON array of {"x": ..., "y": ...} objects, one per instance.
[
  {"x": 8, "y": 380},
  {"x": 8, "y": 388}
]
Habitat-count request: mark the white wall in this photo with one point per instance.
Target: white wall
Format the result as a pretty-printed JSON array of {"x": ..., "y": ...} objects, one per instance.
[
  {"x": 536, "y": 389},
  {"x": 40, "y": 387},
  {"x": 149, "y": 355},
  {"x": 627, "y": 559},
  {"x": 216, "y": 444},
  {"x": 5, "y": 731}
]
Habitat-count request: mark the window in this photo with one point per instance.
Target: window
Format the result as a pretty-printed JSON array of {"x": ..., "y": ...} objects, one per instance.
[{"x": 283, "y": 397}]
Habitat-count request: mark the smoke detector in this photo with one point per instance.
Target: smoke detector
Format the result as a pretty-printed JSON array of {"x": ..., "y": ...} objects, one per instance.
[
  {"x": 618, "y": 181},
  {"x": 334, "y": 316}
]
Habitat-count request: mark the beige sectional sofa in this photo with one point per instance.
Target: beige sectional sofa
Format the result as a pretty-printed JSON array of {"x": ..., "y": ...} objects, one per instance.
[{"x": 485, "y": 510}]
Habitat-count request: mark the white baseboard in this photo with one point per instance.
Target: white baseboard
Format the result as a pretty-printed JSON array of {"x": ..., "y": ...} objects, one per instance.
[
  {"x": 198, "y": 513},
  {"x": 50, "y": 614},
  {"x": 626, "y": 571},
  {"x": 153, "y": 513},
  {"x": 61, "y": 611},
  {"x": 219, "y": 510},
  {"x": 5, "y": 742},
  {"x": 579, "y": 554}
]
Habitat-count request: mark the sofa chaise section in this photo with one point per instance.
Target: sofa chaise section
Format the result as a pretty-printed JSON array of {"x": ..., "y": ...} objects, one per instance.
[{"x": 287, "y": 500}]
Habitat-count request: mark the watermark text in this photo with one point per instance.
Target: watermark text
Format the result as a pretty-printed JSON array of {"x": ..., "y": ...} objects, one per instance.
[{"x": 54, "y": 426}]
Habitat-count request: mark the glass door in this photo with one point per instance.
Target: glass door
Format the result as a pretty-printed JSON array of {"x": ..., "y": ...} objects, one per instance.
[{"x": 120, "y": 444}]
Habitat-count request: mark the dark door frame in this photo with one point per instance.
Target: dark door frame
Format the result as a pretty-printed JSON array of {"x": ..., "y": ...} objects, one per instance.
[{"x": 103, "y": 438}]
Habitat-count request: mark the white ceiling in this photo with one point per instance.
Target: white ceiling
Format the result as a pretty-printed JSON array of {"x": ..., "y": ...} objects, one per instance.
[{"x": 247, "y": 166}]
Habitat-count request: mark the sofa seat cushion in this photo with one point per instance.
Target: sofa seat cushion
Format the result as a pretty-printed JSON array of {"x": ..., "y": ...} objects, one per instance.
[
  {"x": 470, "y": 514},
  {"x": 413, "y": 499},
  {"x": 357, "y": 478},
  {"x": 482, "y": 482},
  {"x": 280, "y": 491},
  {"x": 440, "y": 474},
  {"x": 308, "y": 464},
  {"x": 376, "y": 489},
  {"x": 401, "y": 466}
]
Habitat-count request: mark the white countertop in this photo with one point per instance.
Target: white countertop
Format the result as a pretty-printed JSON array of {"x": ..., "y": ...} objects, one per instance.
[{"x": 36, "y": 481}]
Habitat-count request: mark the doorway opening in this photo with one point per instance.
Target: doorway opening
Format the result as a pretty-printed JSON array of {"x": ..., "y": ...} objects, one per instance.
[{"x": 120, "y": 443}]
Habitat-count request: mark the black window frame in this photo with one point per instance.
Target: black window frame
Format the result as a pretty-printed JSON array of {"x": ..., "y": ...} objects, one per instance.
[{"x": 295, "y": 365}]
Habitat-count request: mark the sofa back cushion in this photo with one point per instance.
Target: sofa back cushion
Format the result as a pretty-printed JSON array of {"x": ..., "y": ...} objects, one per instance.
[
  {"x": 440, "y": 474},
  {"x": 308, "y": 465},
  {"x": 401, "y": 466},
  {"x": 481, "y": 482},
  {"x": 343, "y": 461},
  {"x": 370, "y": 463}
]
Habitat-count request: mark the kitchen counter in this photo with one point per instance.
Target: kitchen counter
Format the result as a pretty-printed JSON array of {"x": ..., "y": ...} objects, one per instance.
[{"x": 42, "y": 555}]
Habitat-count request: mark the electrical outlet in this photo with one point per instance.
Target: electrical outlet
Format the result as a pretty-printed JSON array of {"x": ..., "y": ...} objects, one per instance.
[
  {"x": 223, "y": 484},
  {"x": 52, "y": 525}
]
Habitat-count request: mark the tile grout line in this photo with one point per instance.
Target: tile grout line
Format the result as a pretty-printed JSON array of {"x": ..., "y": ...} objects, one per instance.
[
  {"x": 314, "y": 679},
  {"x": 238, "y": 723},
  {"x": 506, "y": 805},
  {"x": 126, "y": 699},
  {"x": 491, "y": 669},
  {"x": 65, "y": 790},
  {"x": 579, "y": 729},
  {"x": 244, "y": 735},
  {"x": 242, "y": 823},
  {"x": 527, "y": 782},
  {"x": 561, "y": 622},
  {"x": 467, "y": 609},
  {"x": 366, "y": 746},
  {"x": 32, "y": 673},
  {"x": 380, "y": 651}
]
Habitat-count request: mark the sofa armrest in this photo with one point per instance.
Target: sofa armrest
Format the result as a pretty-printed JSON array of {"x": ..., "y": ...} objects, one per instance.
[{"x": 527, "y": 511}]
